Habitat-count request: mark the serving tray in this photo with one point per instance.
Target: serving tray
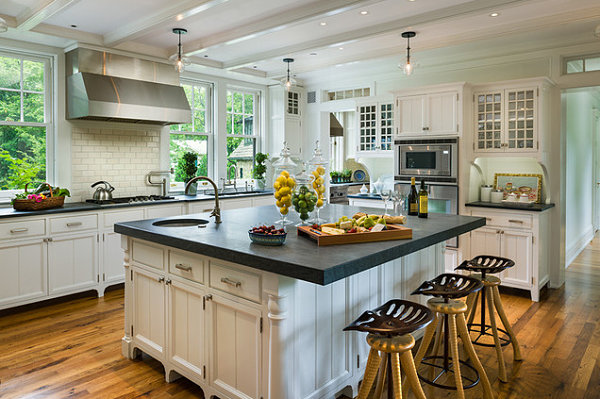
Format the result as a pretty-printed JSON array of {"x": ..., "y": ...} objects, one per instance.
[{"x": 393, "y": 232}]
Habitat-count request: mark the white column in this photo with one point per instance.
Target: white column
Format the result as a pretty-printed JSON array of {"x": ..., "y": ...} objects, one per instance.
[{"x": 279, "y": 384}]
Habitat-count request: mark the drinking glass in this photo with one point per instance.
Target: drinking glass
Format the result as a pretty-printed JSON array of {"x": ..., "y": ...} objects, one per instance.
[
  {"x": 385, "y": 196},
  {"x": 398, "y": 198}
]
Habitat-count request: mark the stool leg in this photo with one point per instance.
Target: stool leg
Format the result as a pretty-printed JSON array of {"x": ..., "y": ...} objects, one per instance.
[
  {"x": 455, "y": 358},
  {"x": 507, "y": 326},
  {"x": 472, "y": 309},
  {"x": 412, "y": 379},
  {"x": 381, "y": 376},
  {"x": 438, "y": 337},
  {"x": 501, "y": 366},
  {"x": 466, "y": 338},
  {"x": 370, "y": 373},
  {"x": 396, "y": 378},
  {"x": 427, "y": 337}
]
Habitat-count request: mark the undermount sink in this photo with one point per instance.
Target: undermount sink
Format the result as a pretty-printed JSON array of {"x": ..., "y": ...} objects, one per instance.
[{"x": 180, "y": 223}]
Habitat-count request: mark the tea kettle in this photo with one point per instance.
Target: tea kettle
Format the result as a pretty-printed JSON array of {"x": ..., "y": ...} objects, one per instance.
[{"x": 103, "y": 193}]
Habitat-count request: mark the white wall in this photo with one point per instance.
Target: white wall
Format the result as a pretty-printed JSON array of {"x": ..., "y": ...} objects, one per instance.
[{"x": 579, "y": 171}]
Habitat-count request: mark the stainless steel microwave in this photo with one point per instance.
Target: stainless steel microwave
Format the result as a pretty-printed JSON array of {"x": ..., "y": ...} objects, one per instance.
[{"x": 434, "y": 159}]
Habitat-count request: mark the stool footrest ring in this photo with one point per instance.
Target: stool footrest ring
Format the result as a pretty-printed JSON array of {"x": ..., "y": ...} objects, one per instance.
[
  {"x": 430, "y": 362},
  {"x": 504, "y": 341}
]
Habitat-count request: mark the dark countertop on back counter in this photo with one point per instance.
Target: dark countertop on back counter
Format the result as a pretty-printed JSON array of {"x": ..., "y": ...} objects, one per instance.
[
  {"x": 299, "y": 257},
  {"x": 9, "y": 212},
  {"x": 365, "y": 196},
  {"x": 513, "y": 205}
]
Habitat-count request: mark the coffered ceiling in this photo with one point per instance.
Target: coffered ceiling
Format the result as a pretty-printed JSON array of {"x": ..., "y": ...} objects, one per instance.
[{"x": 254, "y": 35}]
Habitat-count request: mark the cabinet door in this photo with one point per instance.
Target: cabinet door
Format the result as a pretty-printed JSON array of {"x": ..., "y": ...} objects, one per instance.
[
  {"x": 442, "y": 113},
  {"x": 235, "y": 348},
  {"x": 367, "y": 128},
  {"x": 293, "y": 134},
  {"x": 163, "y": 211},
  {"x": 112, "y": 258},
  {"x": 72, "y": 263},
  {"x": 186, "y": 321},
  {"x": 521, "y": 129},
  {"x": 411, "y": 115},
  {"x": 450, "y": 260},
  {"x": 517, "y": 245},
  {"x": 489, "y": 121},
  {"x": 149, "y": 311},
  {"x": 236, "y": 203},
  {"x": 293, "y": 103},
  {"x": 367, "y": 291},
  {"x": 386, "y": 127},
  {"x": 22, "y": 272},
  {"x": 263, "y": 201},
  {"x": 485, "y": 241}
]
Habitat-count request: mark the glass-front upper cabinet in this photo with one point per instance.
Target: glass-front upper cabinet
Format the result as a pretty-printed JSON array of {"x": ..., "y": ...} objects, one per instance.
[
  {"x": 506, "y": 120},
  {"x": 375, "y": 128},
  {"x": 293, "y": 103}
]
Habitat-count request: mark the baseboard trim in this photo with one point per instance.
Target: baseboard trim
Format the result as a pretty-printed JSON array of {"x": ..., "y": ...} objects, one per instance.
[{"x": 579, "y": 245}]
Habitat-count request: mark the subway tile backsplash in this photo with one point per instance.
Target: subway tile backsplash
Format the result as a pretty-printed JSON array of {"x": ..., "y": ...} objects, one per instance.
[{"x": 119, "y": 156}]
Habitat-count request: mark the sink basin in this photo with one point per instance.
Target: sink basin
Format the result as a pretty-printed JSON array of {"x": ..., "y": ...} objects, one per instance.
[{"x": 180, "y": 223}]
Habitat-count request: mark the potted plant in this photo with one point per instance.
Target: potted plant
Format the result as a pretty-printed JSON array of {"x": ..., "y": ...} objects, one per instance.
[
  {"x": 187, "y": 167},
  {"x": 335, "y": 176},
  {"x": 346, "y": 176},
  {"x": 258, "y": 173}
]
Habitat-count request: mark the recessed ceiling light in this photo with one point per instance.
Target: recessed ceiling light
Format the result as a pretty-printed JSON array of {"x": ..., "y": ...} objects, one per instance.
[
  {"x": 412, "y": 1},
  {"x": 341, "y": 48},
  {"x": 323, "y": 23},
  {"x": 73, "y": 26},
  {"x": 494, "y": 14},
  {"x": 313, "y": 54},
  {"x": 254, "y": 67},
  {"x": 205, "y": 55},
  {"x": 364, "y": 12}
]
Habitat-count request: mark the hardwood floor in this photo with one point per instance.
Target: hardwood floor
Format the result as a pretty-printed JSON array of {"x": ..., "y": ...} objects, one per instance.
[{"x": 72, "y": 349}]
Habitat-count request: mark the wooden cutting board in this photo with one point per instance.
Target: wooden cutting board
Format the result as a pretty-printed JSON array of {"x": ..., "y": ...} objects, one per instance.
[{"x": 393, "y": 232}]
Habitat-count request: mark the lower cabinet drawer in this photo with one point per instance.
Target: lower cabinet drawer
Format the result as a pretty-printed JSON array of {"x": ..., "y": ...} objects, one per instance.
[
  {"x": 147, "y": 255},
  {"x": 110, "y": 218},
  {"x": 506, "y": 220},
  {"x": 236, "y": 282},
  {"x": 73, "y": 223},
  {"x": 187, "y": 266},
  {"x": 22, "y": 229}
]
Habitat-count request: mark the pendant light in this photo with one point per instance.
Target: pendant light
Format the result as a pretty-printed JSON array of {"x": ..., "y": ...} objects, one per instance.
[
  {"x": 3, "y": 25},
  {"x": 408, "y": 67},
  {"x": 288, "y": 82},
  {"x": 178, "y": 60}
]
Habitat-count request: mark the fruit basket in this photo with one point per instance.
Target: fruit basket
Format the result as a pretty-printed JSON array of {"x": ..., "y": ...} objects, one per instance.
[
  {"x": 264, "y": 235},
  {"x": 35, "y": 202}
]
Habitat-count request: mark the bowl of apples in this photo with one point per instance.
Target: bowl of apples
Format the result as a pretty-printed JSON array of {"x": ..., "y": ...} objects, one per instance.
[{"x": 267, "y": 235}]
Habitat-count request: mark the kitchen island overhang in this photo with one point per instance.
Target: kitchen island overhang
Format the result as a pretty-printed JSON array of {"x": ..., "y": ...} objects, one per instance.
[
  {"x": 245, "y": 321},
  {"x": 299, "y": 257}
]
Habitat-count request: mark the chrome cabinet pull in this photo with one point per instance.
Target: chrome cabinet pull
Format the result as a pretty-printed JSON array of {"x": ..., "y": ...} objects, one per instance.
[
  {"x": 74, "y": 224},
  {"x": 168, "y": 282},
  {"x": 515, "y": 221},
  {"x": 185, "y": 268},
  {"x": 233, "y": 283},
  {"x": 19, "y": 230},
  {"x": 208, "y": 297},
  {"x": 161, "y": 279}
]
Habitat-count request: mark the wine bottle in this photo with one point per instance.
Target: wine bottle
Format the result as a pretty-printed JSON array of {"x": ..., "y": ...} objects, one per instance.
[
  {"x": 422, "y": 200},
  {"x": 413, "y": 199}
]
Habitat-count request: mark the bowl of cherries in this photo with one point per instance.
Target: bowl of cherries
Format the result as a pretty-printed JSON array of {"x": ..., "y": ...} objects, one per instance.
[{"x": 267, "y": 235}]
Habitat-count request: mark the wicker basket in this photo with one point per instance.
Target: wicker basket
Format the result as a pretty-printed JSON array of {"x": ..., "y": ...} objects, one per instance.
[{"x": 30, "y": 204}]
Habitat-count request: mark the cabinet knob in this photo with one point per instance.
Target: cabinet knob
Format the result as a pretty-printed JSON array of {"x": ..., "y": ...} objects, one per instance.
[
  {"x": 161, "y": 279},
  {"x": 168, "y": 281},
  {"x": 208, "y": 297}
]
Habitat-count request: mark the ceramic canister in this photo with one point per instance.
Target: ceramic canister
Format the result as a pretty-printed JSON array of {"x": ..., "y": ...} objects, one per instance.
[
  {"x": 485, "y": 193},
  {"x": 497, "y": 196}
]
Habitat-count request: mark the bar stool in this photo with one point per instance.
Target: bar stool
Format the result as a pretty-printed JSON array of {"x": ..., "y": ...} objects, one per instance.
[
  {"x": 449, "y": 313},
  {"x": 389, "y": 327},
  {"x": 486, "y": 264}
]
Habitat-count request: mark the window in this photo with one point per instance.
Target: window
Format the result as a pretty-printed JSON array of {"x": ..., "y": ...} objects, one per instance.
[
  {"x": 242, "y": 132},
  {"x": 194, "y": 137},
  {"x": 585, "y": 63},
  {"x": 25, "y": 123}
]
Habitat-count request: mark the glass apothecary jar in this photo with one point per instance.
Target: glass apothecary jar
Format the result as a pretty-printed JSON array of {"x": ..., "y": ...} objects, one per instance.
[
  {"x": 304, "y": 197},
  {"x": 284, "y": 183},
  {"x": 317, "y": 167}
]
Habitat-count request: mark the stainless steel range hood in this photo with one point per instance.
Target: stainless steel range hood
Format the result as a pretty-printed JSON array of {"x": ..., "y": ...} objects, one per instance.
[
  {"x": 335, "y": 127},
  {"x": 108, "y": 87}
]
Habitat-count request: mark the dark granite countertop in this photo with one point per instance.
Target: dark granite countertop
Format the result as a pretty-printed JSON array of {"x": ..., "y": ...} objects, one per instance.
[
  {"x": 354, "y": 183},
  {"x": 365, "y": 196},
  {"x": 512, "y": 205},
  {"x": 299, "y": 257},
  {"x": 9, "y": 212}
]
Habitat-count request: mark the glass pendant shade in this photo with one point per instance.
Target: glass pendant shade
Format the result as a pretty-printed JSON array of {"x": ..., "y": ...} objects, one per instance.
[
  {"x": 409, "y": 66},
  {"x": 288, "y": 81},
  {"x": 178, "y": 60}
]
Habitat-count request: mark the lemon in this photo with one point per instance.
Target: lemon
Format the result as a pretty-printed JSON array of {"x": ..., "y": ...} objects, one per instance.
[
  {"x": 315, "y": 174},
  {"x": 320, "y": 181},
  {"x": 321, "y": 170},
  {"x": 321, "y": 189},
  {"x": 283, "y": 210},
  {"x": 285, "y": 174},
  {"x": 291, "y": 182},
  {"x": 319, "y": 203},
  {"x": 286, "y": 199},
  {"x": 276, "y": 185},
  {"x": 281, "y": 180},
  {"x": 285, "y": 190},
  {"x": 279, "y": 204},
  {"x": 278, "y": 195}
]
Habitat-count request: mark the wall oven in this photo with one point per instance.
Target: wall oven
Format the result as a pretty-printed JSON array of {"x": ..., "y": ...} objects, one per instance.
[{"x": 432, "y": 159}]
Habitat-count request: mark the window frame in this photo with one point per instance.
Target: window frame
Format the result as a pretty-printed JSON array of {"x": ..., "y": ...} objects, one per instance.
[
  {"x": 209, "y": 124},
  {"x": 583, "y": 58},
  {"x": 257, "y": 133},
  {"x": 49, "y": 83}
]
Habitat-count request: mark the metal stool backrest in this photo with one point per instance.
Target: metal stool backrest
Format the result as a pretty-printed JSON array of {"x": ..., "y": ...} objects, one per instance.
[
  {"x": 395, "y": 317},
  {"x": 486, "y": 264},
  {"x": 449, "y": 285}
]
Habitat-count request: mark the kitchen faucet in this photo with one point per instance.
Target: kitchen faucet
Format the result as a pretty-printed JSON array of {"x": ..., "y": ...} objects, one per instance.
[
  {"x": 162, "y": 183},
  {"x": 228, "y": 182},
  {"x": 217, "y": 210}
]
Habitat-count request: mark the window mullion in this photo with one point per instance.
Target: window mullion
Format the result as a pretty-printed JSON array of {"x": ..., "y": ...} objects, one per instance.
[{"x": 22, "y": 86}]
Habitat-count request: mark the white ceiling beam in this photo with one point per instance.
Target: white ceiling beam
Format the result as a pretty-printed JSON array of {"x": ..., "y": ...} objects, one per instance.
[
  {"x": 177, "y": 11},
  {"x": 11, "y": 22},
  {"x": 69, "y": 33},
  {"x": 284, "y": 20},
  {"x": 41, "y": 12},
  {"x": 474, "y": 6}
]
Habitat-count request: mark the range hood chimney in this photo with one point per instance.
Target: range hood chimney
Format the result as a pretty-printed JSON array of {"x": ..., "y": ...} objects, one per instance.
[
  {"x": 335, "y": 127},
  {"x": 106, "y": 87}
]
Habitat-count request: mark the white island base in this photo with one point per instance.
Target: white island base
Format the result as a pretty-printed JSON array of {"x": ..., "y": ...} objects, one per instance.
[{"x": 239, "y": 332}]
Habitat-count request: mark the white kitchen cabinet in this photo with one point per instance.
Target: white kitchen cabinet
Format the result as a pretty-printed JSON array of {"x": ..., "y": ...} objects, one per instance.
[
  {"x": 236, "y": 203},
  {"x": 72, "y": 263},
  {"x": 163, "y": 211},
  {"x": 187, "y": 343},
  {"x": 434, "y": 114},
  {"x": 112, "y": 271},
  {"x": 235, "y": 348},
  {"x": 286, "y": 111},
  {"x": 22, "y": 272},
  {"x": 450, "y": 260},
  {"x": 263, "y": 200},
  {"x": 375, "y": 129},
  {"x": 515, "y": 235},
  {"x": 148, "y": 314}
]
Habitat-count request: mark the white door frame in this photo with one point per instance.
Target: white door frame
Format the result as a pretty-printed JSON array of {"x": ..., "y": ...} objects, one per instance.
[{"x": 596, "y": 173}]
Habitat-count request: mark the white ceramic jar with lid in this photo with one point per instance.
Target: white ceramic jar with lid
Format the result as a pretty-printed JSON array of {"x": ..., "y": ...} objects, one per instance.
[
  {"x": 486, "y": 191},
  {"x": 496, "y": 196}
]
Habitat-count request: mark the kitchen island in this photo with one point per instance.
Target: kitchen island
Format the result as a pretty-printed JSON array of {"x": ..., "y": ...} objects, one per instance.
[{"x": 248, "y": 321}]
